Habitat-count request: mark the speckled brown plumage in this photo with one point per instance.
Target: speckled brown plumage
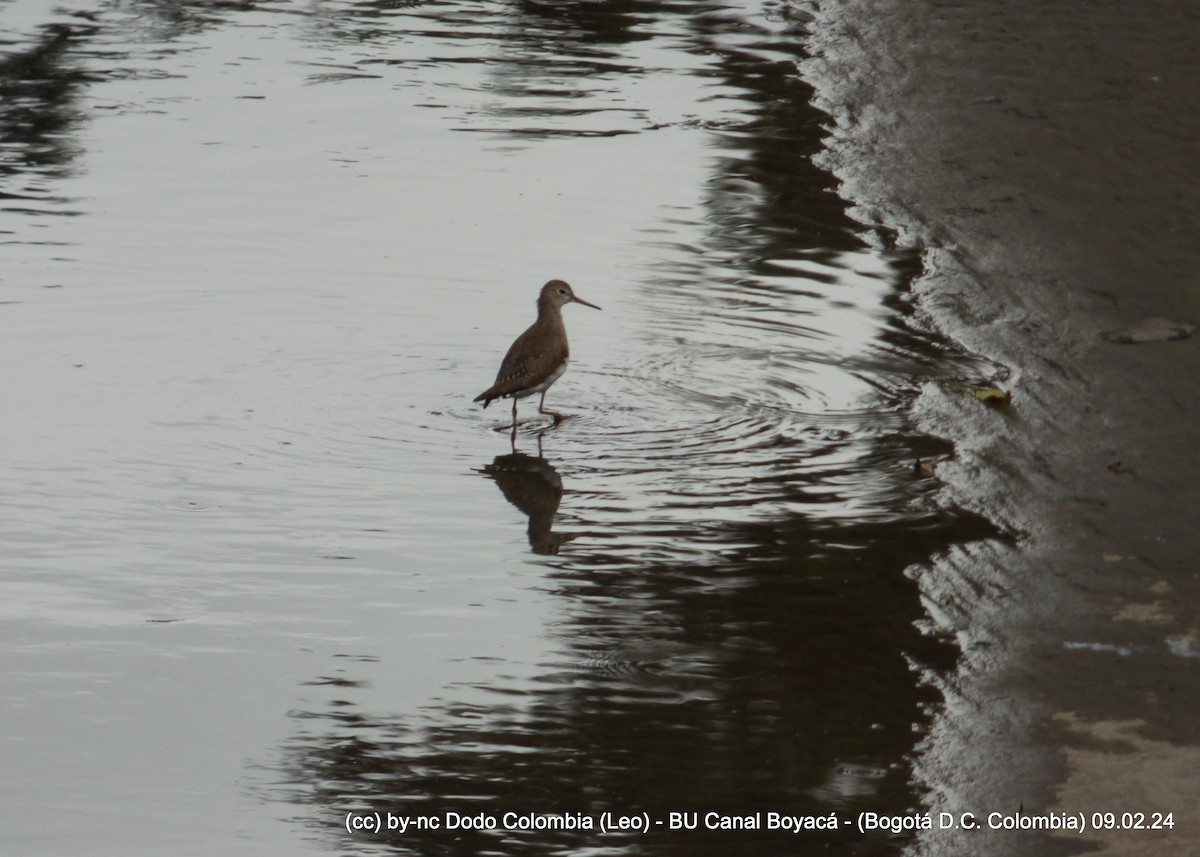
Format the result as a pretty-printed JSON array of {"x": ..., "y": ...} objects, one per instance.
[{"x": 539, "y": 356}]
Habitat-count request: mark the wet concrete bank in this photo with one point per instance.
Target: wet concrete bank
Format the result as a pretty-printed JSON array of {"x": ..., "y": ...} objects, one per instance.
[{"x": 1044, "y": 157}]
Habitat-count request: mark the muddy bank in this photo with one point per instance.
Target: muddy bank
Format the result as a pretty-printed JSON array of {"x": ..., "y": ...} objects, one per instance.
[{"x": 1045, "y": 160}]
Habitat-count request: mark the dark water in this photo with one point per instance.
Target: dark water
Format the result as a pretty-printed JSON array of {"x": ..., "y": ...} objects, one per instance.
[{"x": 267, "y": 567}]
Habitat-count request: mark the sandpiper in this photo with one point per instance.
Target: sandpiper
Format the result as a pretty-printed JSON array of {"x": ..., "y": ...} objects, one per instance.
[{"x": 538, "y": 358}]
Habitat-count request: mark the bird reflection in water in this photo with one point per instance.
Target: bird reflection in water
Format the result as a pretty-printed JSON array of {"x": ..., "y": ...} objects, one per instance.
[{"x": 532, "y": 485}]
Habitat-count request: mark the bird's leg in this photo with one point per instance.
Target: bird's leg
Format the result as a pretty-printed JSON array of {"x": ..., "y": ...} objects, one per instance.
[
  {"x": 558, "y": 418},
  {"x": 514, "y": 422}
]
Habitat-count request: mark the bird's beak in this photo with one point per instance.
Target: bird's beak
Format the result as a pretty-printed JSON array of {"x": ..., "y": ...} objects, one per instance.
[{"x": 585, "y": 303}]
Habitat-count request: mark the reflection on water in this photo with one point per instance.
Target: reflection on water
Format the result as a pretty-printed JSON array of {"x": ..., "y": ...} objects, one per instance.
[
  {"x": 37, "y": 115},
  {"x": 735, "y": 626},
  {"x": 532, "y": 485},
  {"x": 714, "y": 607}
]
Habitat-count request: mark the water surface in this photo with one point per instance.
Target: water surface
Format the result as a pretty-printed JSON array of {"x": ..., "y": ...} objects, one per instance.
[{"x": 265, "y": 562}]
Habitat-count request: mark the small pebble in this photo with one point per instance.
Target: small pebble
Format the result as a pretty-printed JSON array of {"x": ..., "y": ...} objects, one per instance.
[{"x": 1151, "y": 330}]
